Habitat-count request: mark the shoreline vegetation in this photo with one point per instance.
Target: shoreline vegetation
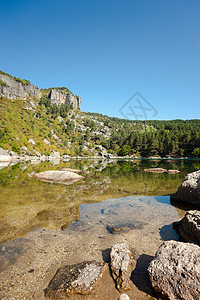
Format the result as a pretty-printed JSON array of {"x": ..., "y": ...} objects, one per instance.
[{"x": 46, "y": 226}]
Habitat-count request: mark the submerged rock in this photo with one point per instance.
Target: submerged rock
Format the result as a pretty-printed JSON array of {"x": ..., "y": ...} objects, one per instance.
[
  {"x": 175, "y": 271},
  {"x": 161, "y": 170},
  {"x": 189, "y": 190},
  {"x": 189, "y": 227},
  {"x": 76, "y": 279},
  {"x": 64, "y": 177},
  {"x": 120, "y": 263}
]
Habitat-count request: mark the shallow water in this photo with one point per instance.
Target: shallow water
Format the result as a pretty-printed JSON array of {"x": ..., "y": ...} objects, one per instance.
[
  {"x": 27, "y": 204},
  {"x": 115, "y": 202}
]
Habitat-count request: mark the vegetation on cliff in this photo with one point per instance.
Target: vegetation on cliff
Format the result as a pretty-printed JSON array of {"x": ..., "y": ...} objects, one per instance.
[{"x": 74, "y": 133}]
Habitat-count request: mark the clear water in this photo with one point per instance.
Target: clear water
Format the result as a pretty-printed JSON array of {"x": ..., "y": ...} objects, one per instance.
[{"x": 27, "y": 204}]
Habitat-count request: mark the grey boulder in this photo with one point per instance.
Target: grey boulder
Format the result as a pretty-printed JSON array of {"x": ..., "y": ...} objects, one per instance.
[
  {"x": 189, "y": 190},
  {"x": 175, "y": 271},
  {"x": 120, "y": 264},
  {"x": 189, "y": 227},
  {"x": 54, "y": 176},
  {"x": 80, "y": 278}
]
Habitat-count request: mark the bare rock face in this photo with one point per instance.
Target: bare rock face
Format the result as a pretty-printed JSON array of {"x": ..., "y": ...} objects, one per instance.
[
  {"x": 58, "y": 176},
  {"x": 189, "y": 227},
  {"x": 13, "y": 88},
  {"x": 175, "y": 271},
  {"x": 76, "y": 279},
  {"x": 64, "y": 97},
  {"x": 189, "y": 190},
  {"x": 120, "y": 263},
  {"x": 4, "y": 156}
]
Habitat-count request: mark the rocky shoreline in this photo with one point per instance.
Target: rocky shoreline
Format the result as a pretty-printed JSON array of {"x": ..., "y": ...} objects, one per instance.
[
  {"x": 10, "y": 157},
  {"x": 88, "y": 261}
]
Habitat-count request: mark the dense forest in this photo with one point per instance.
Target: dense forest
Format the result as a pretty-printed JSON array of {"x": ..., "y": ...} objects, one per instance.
[{"x": 152, "y": 138}]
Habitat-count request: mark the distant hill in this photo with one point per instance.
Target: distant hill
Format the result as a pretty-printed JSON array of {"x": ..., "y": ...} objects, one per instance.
[{"x": 36, "y": 121}]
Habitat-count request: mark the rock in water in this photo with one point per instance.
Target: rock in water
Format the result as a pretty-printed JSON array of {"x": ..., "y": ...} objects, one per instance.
[
  {"x": 175, "y": 271},
  {"x": 189, "y": 227},
  {"x": 58, "y": 176},
  {"x": 120, "y": 263},
  {"x": 189, "y": 190},
  {"x": 123, "y": 297},
  {"x": 156, "y": 170},
  {"x": 76, "y": 279}
]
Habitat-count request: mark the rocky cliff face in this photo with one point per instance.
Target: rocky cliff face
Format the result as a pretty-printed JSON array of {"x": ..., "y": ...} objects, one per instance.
[
  {"x": 15, "y": 88},
  {"x": 64, "y": 97},
  {"x": 12, "y": 88}
]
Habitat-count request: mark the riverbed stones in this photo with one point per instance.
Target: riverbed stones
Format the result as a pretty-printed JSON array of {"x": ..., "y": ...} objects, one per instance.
[
  {"x": 58, "y": 176},
  {"x": 120, "y": 264},
  {"x": 189, "y": 227},
  {"x": 189, "y": 190},
  {"x": 175, "y": 271},
  {"x": 80, "y": 278}
]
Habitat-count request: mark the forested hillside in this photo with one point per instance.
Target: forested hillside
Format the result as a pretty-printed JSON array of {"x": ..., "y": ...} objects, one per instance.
[
  {"x": 151, "y": 138},
  {"x": 36, "y": 126}
]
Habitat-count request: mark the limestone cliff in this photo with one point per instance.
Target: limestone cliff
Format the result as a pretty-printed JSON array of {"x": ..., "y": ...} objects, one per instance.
[
  {"x": 15, "y": 88},
  {"x": 64, "y": 96}
]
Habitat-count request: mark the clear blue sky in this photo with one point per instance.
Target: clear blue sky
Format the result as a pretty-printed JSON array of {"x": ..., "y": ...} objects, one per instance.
[{"x": 106, "y": 50}]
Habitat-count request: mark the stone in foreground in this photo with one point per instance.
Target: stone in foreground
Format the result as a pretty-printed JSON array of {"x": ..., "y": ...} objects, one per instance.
[
  {"x": 120, "y": 263},
  {"x": 189, "y": 227},
  {"x": 76, "y": 279},
  {"x": 175, "y": 271},
  {"x": 189, "y": 190},
  {"x": 58, "y": 176}
]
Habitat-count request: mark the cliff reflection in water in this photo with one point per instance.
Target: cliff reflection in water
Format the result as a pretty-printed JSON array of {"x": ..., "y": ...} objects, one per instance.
[{"x": 26, "y": 203}]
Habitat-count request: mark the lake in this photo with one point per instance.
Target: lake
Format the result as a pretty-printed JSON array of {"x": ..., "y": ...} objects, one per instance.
[
  {"x": 65, "y": 224},
  {"x": 27, "y": 204}
]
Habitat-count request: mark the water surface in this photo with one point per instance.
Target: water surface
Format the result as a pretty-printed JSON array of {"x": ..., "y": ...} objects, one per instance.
[{"x": 27, "y": 203}]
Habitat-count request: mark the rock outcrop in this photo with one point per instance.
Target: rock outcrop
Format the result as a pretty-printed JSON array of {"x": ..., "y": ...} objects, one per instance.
[
  {"x": 4, "y": 156},
  {"x": 189, "y": 190},
  {"x": 189, "y": 227},
  {"x": 175, "y": 271},
  {"x": 120, "y": 264},
  {"x": 76, "y": 279},
  {"x": 15, "y": 88},
  {"x": 64, "y": 177},
  {"x": 64, "y": 96}
]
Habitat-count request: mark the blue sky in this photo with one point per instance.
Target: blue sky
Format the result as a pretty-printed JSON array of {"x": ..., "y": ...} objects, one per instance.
[{"x": 106, "y": 50}]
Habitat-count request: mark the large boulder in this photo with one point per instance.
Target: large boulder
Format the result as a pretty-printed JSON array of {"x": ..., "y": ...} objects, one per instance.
[
  {"x": 76, "y": 279},
  {"x": 189, "y": 227},
  {"x": 4, "y": 156},
  {"x": 189, "y": 190},
  {"x": 58, "y": 176},
  {"x": 175, "y": 271},
  {"x": 120, "y": 264}
]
